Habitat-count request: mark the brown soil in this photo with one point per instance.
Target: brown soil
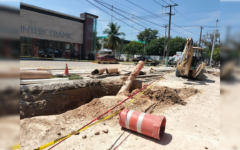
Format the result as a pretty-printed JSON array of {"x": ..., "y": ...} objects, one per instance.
[
  {"x": 168, "y": 95},
  {"x": 164, "y": 96},
  {"x": 60, "y": 97},
  {"x": 53, "y": 127}
]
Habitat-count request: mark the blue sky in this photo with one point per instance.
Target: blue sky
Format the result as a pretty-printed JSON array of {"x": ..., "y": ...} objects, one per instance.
[{"x": 189, "y": 15}]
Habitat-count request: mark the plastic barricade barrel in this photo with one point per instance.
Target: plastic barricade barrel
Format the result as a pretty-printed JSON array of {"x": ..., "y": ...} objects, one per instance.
[{"x": 147, "y": 124}]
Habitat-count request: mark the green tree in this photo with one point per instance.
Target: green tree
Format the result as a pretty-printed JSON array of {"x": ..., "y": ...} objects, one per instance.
[
  {"x": 155, "y": 47},
  {"x": 149, "y": 34},
  {"x": 207, "y": 40},
  {"x": 216, "y": 54},
  {"x": 113, "y": 40},
  {"x": 176, "y": 44},
  {"x": 134, "y": 48},
  {"x": 121, "y": 47}
]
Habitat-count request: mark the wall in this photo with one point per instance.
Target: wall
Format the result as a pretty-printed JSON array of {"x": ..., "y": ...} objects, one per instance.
[{"x": 47, "y": 22}]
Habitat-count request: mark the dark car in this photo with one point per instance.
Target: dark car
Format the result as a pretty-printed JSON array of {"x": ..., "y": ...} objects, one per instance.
[
  {"x": 106, "y": 59},
  {"x": 146, "y": 59}
]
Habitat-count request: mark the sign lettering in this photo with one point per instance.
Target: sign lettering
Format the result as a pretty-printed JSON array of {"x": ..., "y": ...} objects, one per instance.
[{"x": 52, "y": 33}]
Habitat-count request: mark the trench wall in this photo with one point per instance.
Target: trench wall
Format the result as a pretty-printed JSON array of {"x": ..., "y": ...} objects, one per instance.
[{"x": 57, "y": 98}]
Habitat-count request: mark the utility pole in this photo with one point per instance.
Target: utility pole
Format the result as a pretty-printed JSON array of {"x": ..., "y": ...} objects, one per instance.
[
  {"x": 169, "y": 29},
  {"x": 112, "y": 13},
  {"x": 144, "y": 45},
  {"x": 132, "y": 26},
  {"x": 213, "y": 43},
  {"x": 200, "y": 37},
  {"x": 164, "y": 41}
]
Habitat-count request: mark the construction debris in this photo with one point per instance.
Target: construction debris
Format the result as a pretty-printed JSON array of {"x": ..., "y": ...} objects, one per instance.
[
  {"x": 37, "y": 81},
  {"x": 84, "y": 136},
  {"x": 131, "y": 78},
  {"x": 35, "y": 75},
  {"x": 43, "y": 69},
  {"x": 97, "y": 133},
  {"x": 105, "y": 131},
  {"x": 98, "y": 71},
  {"x": 112, "y": 70}
]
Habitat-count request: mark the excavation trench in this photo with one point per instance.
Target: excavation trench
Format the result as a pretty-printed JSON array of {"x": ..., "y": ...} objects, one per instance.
[{"x": 57, "y": 98}]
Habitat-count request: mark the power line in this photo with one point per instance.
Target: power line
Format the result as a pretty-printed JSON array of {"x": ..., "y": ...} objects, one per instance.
[
  {"x": 84, "y": 2},
  {"x": 119, "y": 9},
  {"x": 113, "y": 16},
  {"x": 145, "y": 17},
  {"x": 160, "y": 17},
  {"x": 119, "y": 13},
  {"x": 125, "y": 6},
  {"x": 158, "y": 3},
  {"x": 184, "y": 16},
  {"x": 173, "y": 2},
  {"x": 151, "y": 16},
  {"x": 127, "y": 13},
  {"x": 165, "y": 2}
]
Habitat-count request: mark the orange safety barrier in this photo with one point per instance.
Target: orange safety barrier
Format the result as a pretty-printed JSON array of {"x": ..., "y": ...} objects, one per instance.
[{"x": 147, "y": 124}]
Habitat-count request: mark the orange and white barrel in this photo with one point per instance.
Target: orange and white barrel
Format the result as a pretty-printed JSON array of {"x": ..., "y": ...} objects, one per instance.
[{"x": 147, "y": 124}]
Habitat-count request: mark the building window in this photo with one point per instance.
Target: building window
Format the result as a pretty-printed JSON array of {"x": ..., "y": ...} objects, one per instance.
[{"x": 39, "y": 48}]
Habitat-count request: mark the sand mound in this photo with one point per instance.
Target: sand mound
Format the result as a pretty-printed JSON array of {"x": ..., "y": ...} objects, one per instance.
[{"x": 168, "y": 95}]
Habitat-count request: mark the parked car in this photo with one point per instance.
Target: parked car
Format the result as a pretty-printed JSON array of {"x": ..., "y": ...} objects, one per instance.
[
  {"x": 172, "y": 62},
  {"x": 146, "y": 59},
  {"x": 46, "y": 54},
  {"x": 105, "y": 58}
]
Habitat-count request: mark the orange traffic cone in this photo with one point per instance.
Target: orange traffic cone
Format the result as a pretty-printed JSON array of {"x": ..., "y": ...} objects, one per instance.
[{"x": 66, "y": 73}]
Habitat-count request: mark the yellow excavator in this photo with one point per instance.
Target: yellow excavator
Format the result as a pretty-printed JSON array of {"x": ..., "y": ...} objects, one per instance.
[{"x": 194, "y": 65}]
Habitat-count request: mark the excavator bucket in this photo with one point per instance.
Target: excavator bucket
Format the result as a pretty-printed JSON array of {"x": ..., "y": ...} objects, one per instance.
[
  {"x": 187, "y": 56},
  {"x": 193, "y": 66}
]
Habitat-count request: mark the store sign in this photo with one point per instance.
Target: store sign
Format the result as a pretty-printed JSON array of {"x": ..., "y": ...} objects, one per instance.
[{"x": 47, "y": 32}]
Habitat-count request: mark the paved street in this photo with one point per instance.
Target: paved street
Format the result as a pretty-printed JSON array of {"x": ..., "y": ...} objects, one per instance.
[{"x": 33, "y": 64}]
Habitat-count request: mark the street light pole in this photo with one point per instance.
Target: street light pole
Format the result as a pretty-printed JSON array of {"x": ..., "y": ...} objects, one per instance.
[
  {"x": 213, "y": 43},
  {"x": 144, "y": 45}
]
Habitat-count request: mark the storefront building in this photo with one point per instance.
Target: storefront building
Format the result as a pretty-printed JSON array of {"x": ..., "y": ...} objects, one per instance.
[{"x": 49, "y": 34}]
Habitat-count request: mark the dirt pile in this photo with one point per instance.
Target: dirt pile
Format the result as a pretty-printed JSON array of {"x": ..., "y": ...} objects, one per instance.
[
  {"x": 168, "y": 95},
  {"x": 155, "y": 101},
  {"x": 165, "y": 96},
  {"x": 215, "y": 73}
]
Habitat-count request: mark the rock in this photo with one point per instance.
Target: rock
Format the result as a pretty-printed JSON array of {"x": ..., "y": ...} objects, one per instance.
[
  {"x": 68, "y": 122},
  {"x": 59, "y": 133},
  {"x": 77, "y": 133},
  {"x": 84, "y": 136},
  {"x": 195, "y": 125},
  {"x": 105, "y": 131},
  {"x": 97, "y": 133},
  {"x": 104, "y": 123},
  {"x": 206, "y": 147}
]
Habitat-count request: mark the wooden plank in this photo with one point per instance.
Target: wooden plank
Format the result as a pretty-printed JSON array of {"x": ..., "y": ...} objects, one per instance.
[
  {"x": 35, "y": 75},
  {"x": 35, "y": 81}
]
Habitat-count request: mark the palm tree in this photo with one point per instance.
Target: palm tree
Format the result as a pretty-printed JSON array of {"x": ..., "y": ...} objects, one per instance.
[
  {"x": 98, "y": 44},
  {"x": 113, "y": 40}
]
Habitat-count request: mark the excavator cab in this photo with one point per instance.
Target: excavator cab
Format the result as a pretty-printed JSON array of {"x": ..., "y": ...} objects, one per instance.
[
  {"x": 193, "y": 62},
  {"x": 197, "y": 56}
]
